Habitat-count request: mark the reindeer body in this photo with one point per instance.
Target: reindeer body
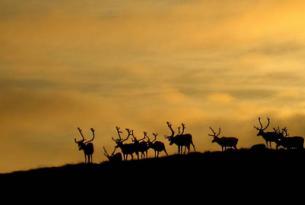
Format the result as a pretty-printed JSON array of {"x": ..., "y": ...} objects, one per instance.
[
  {"x": 127, "y": 149},
  {"x": 269, "y": 137},
  {"x": 182, "y": 140},
  {"x": 226, "y": 142},
  {"x": 158, "y": 147},
  {"x": 143, "y": 149},
  {"x": 296, "y": 142}
]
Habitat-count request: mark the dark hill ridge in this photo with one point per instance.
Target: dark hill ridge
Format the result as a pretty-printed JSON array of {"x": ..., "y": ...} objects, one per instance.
[{"x": 196, "y": 175}]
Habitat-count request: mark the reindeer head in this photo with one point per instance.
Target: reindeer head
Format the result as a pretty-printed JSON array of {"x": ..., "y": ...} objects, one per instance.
[
  {"x": 261, "y": 129},
  {"x": 214, "y": 135}
]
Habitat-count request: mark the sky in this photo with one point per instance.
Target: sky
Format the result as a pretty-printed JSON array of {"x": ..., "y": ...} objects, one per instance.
[{"x": 139, "y": 63}]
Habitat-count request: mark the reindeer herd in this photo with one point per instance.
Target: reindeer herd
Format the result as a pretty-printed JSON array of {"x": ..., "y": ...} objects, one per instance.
[{"x": 183, "y": 141}]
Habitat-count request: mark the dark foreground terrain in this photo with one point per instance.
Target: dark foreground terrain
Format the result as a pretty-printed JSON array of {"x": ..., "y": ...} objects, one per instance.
[{"x": 255, "y": 176}]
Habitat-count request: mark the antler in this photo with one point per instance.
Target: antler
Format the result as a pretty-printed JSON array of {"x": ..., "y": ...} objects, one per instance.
[
  {"x": 259, "y": 120},
  {"x": 145, "y": 135},
  {"x": 214, "y": 133},
  {"x": 134, "y": 138},
  {"x": 267, "y": 124},
  {"x": 93, "y": 135},
  {"x": 170, "y": 127},
  {"x": 118, "y": 131},
  {"x": 128, "y": 135},
  {"x": 183, "y": 128},
  {"x": 155, "y": 137},
  {"x": 81, "y": 134}
]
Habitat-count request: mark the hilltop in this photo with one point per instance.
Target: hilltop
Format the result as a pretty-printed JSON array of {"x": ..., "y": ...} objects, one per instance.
[{"x": 192, "y": 175}]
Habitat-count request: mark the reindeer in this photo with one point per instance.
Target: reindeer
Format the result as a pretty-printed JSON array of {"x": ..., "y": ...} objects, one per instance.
[
  {"x": 86, "y": 146},
  {"x": 181, "y": 140},
  {"x": 224, "y": 142},
  {"x": 113, "y": 157},
  {"x": 295, "y": 142},
  {"x": 140, "y": 145},
  {"x": 157, "y": 146},
  {"x": 127, "y": 149},
  {"x": 269, "y": 137}
]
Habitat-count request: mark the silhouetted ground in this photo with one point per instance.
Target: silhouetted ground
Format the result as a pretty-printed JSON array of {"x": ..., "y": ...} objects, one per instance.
[{"x": 228, "y": 176}]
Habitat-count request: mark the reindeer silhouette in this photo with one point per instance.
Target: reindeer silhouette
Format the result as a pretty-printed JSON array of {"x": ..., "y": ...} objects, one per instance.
[
  {"x": 181, "y": 140},
  {"x": 140, "y": 145},
  {"x": 269, "y": 137},
  {"x": 127, "y": 149},
  {"x": 157, "y": 146},
  {"x": 295, "y": 142},
  {"x": 86, "y": 146},
  {"x": 224, "y": 142},
  {"x": 114, "y": 157}
]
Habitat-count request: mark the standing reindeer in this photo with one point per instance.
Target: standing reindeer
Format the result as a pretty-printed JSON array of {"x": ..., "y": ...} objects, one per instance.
[
  {"x": 224, "y": 142},
  {"x": 127, "y": 149},
  {"x": 269, "y": 137},
  {"x": 157, "y": 146},
  {"x": 86, "y": 146},
  {"x": 113, "y": 157},
  {"x": 181, "y": 140},
  {"x": 295, "y": 142},
  {"x": 140, "y": 145}
]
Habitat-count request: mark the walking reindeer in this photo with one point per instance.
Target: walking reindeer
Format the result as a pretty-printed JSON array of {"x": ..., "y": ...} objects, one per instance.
[
  {"x": 86, "y": 146},
  {"x": 181, "y": 140},
  {"x": 224, "y": 142}
]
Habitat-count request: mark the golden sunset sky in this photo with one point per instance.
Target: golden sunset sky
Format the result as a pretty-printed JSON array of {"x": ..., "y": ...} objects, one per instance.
[{"x": 140, "y": 63}]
